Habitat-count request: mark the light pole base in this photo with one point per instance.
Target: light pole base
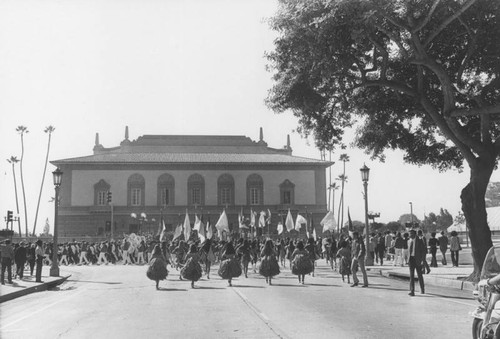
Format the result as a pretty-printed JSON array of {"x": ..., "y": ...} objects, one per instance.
[{"x": 54, "y": 271}]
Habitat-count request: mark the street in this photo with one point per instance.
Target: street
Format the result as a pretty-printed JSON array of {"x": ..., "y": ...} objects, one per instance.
[{"x": 120, "y": 302}]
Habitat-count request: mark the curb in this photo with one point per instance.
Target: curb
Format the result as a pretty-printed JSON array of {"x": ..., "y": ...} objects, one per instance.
[
  {"x": 38, "y": 288},
  {"x": 432, "y": 280}
]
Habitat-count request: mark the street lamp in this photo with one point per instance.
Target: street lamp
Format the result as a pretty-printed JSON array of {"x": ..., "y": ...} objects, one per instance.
[
  {"x": 54, "y": 269},
  {"x": 365, "y": 174}
]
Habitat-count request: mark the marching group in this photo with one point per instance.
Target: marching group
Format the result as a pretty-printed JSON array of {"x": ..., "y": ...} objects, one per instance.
[{"x": 194, "y": 258}]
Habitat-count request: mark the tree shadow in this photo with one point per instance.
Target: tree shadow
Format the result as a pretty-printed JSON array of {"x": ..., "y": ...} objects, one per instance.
[
  {"x": 164, "y": 289},
  {"x": 248, "y": 286},
  {"x": 98, "y": 282},
  {"x": 198, "y": 287},
  {"x": 448, "y": 296}
]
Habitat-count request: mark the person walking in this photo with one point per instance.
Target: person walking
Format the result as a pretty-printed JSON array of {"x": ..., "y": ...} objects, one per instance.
[
  {"x": 301, "y": 263},
  {"x": 192, "y": 269},
  {"x": 313, "y": 252},
  {"x": 157, "y": 269},
  {"x": 31, "y": 258},
  {"x": 406, "y": 256},
  {"x": 269, "y": 266},
  {"x": 358, "y": 253},
  {"x": 244, "y": 253},
  {"x": 380, "y": 248},
  {"x": 454, "y": 248},
  {"x": 399, "y": 244},
  {"x": 443, "y": 247},
  {"x": 39, "y": 254},
  {"x": 420, "y": 234},
  {"x": 230, "y": 267},
  {"x": 344, "y": 253},
  {"x": 7, "y": 254},
  {"x": 102, "y": 253},
  {"x": 417, "y": 251},
  {"x": 83, "y": 254}
]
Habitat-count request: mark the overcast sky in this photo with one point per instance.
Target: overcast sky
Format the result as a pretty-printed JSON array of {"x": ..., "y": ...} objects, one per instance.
[{"x": 163, "y": 67}]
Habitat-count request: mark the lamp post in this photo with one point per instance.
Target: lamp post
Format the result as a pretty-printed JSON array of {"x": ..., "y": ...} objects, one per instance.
[
  {"x": 365, "y": 174},
  {"x": 54, "y": 269}
]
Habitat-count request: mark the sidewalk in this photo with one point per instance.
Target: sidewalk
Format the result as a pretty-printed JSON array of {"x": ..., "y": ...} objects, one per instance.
[
  {"x": 28, "y": 285},
  {"x": 446, "y": 276}
]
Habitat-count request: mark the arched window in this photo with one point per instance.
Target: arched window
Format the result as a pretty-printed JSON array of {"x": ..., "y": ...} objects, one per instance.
[
  {"x": 196, "y": 190},
  {"x": 136, "y": 190},
  {"x": 255, "y": 190},
  {"x": 225, "y": 190},
  {"x": 287, "y": 193},
  {"x": 166, "y": 190},
  {"x": 101, "y": 190}
]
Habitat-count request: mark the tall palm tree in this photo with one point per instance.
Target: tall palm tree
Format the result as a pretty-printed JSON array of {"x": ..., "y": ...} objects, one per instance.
[
  {"x": 344, "y": 158},
  {"x": 22, "y": 130},
  {"x": 49, "y": 130},
  {"x": 13, "y": 160}
]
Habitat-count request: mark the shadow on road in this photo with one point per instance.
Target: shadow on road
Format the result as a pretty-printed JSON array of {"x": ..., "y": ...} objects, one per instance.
[
  {"x": 163, "y": 289},
  {"x": 248, "y": 286},
  {"x": 197, "y": 287},
  {"x": 449, "y": 296},
  {"x": 97, "y": 282}
]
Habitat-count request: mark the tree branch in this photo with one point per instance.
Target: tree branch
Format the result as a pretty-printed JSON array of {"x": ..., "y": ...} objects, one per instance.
[
  {"x": 448, "y": 21},
  {"x": 397, "y": 41},
  {"x": 463, "y": 112},
  {"x": 427, "y": 18}
]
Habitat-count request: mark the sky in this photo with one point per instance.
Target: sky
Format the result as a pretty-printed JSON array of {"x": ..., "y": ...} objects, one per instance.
[{"x": 164, "y": 67}]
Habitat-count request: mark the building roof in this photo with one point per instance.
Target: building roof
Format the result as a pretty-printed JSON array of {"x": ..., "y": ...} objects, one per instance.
[
  {"x": 189, "y": 158},
  {"x": 192, "y": 149}
]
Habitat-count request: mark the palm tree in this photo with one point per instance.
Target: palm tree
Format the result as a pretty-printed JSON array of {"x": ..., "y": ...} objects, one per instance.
[
  {"x": 344, "y": 158},
  {"x": 13, "y": 160},
  {"x": 49, "y": 130},
  {"x": 22, "y": 130}
]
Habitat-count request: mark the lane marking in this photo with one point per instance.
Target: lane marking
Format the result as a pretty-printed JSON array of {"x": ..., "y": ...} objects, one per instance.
[
  {"x": 41, "y": 309},
  {"x": 275, "y": 329}
]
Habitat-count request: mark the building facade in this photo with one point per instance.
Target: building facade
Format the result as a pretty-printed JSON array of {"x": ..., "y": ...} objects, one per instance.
[{"x": 160, "y": 177}]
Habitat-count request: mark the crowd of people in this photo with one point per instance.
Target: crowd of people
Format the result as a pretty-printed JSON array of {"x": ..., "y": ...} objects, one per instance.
[{"x": 194, "y": 258}]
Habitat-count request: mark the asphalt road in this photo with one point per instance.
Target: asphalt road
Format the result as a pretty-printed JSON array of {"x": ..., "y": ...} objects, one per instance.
[{"x": 120, "y": 302}]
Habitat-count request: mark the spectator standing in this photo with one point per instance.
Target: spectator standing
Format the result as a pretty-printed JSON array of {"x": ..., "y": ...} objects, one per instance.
[
  {"x": 433, "y": 244},
  {"x": 420, "y": 234},
  {"x": 20, "y": 257},
  {"x": 380, "y": 249},
  {"x": 406, "y": 256},
  {"x": 7, "y": 254},
  {"x": 454, "y": 248},
  {"x": 399, "y": 245},
  {"x": 388, "y": 240},
  {"x": 31, "y": 258},
  {"x": 443, "y": 247},
  {"x": 39, "y": 254},
  {"x": 358, "y": 253}
]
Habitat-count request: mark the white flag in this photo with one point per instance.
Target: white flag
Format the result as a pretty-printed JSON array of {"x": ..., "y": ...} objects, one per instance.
[
  {"x": 262, "y": 219},
  {"x": 298, "y": 223},
  {"x": 187, "y": 227},
  {"x": 197, "y": 223},
  {"x": 178, "y": 231},
  {"x": 268, "y": 216},
  {"x": 289, "y": 221},
  {"x": 252, "y": 218},
  {"x": 280, "y": 228},
  {"x": 222, "y": 224},
  {"x": 163, "y": 234},
  {"x": 328, "y": 222},
  {"x": 241, "y": 220},
  {"x": 210, "y": 233},
  {"x": 314, "y": 233}
]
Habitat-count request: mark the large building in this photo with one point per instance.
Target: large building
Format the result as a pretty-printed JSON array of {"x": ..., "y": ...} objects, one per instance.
[{"x": 163, "y": 176}]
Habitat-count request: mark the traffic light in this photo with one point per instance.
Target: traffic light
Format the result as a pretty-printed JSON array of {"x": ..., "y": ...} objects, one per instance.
[
  {"x": 9, "y": 216},
  {"x": 109, "y": 197}
]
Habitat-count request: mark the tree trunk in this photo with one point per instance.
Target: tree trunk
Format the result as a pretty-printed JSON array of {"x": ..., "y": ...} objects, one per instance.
[{"x": 474, "y": 208}]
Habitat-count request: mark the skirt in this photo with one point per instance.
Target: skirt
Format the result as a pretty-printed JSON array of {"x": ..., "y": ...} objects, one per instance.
[
  {"x": 269, "y": 266},
  {"x": 192, "y": 270},
  {"x": 230, "y": 268},
  {"x": 345, "y": 266},
  {"x": 157, "y": 270},
  {"x": 301, "y": 264}
]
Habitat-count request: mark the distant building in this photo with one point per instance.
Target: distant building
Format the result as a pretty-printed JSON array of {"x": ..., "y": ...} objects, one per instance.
[{"x": 162, "y": 176}]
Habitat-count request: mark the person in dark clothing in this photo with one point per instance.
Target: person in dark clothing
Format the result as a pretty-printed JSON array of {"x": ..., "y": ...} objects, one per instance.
[
  {"x": 39, "y": 254},
  {"x": 20, "y": 259},
  {"x": 433, "y": 244},
  {"x": 7, "y": 254},
  {"x": 31, "y": 258},
  {"x": 417, "y": 251}
]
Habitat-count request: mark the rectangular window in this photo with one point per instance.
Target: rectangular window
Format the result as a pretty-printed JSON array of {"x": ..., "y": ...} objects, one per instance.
[
  {"x": 254, "y": 196},
  {"x": 136, "y": 197},
  {"x": 102, "y": 198},
  {"x": 225, "y": 196},
  {"x": 196, "y": 196},
  {"x": 165, "y": 197},
  {"x": 287, "y": 197}
]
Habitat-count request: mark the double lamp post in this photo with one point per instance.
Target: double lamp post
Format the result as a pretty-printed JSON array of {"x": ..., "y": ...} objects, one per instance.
[
  {"x": 54, "y": 269},
  {"x": 365, "y": 174}
]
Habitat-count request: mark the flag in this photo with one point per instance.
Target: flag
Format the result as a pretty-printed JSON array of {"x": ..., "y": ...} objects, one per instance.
[
  {"x": 161, "y": 226},
  {"x": 163, "y": 234},
  {"x": 328, "y": 222},
  {"x": 187, "y": 227},
  {"x": 178, "y": 231},
  {"x": 268, "y": 216},
  {"x": 314, "y": 233},
  {"x": 299, "y": 221},
  {"x": 262, "y": 219},
  {"x": 280, "y": 228},
  {"x": 197, "y": 223},
  {"x": 210, "y": 233},
  {"x": 222, "y": 224},
  {"x": 289, "y": 221},
  {"x": 252, "y": 218},
  {"x": 241, "y": 220},
  {"x": 198, "y": 226}
]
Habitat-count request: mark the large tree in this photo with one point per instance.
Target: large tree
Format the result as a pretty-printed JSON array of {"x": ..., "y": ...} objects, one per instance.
[{"x": 422, "y": 76}]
